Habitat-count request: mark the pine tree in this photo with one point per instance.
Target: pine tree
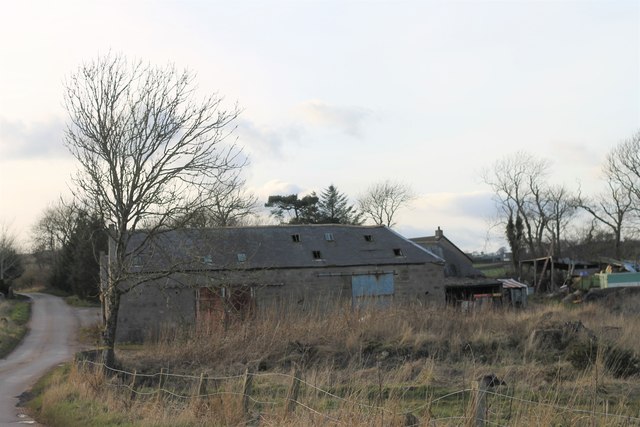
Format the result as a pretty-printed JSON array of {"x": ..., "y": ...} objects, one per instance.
[
  {"x": 299, "y": 211},
  {"x": 334, "y": 208}
]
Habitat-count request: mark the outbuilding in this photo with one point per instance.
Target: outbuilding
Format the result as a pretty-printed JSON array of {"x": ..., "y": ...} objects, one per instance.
[{"x": 188, "y": 277}]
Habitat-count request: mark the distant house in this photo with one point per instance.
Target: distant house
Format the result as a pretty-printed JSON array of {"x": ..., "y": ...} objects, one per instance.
[
  {"x": 457, "y": 263},
  {"x": 213, "y": 275}
]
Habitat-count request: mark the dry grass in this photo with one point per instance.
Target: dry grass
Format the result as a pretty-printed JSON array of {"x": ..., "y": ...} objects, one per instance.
[{"x": 562, "y": 366}]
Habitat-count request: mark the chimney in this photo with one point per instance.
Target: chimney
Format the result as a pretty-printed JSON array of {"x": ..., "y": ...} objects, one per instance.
[{"x": 439, "y": 233}]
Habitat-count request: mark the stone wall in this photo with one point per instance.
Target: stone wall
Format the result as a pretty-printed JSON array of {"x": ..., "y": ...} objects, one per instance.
[
  {"x": 151, "y": 308},
  {"x": 171, "y": 302}
]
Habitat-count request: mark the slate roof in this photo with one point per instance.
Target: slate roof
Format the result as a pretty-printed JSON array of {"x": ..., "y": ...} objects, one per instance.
[
  {"x": 281, "y": 246},
  {"x": 434, "y": 240}
]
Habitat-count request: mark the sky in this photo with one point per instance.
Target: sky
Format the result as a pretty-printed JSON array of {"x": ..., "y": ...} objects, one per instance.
[{"x": 349, "y": 93}]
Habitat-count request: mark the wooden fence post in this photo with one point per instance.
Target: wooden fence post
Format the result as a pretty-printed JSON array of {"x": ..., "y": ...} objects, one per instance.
[
  {"x": 201, "y": 391},
  {"x": 160, "y": 384},
  {"x": 246, "y": 391},
  {"x": 292, "y": 393},
  {"x": 100, "y": 370},
  {"x": 132, "y": 394},
  {"x": 479, "y": 399}
]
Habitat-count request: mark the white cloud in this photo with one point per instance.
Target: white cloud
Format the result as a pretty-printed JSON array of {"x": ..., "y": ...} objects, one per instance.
[
  {"x": 266, "y": 140},
  {"x": 348, "y": 120},
  {"x": 474, "y": 205},
  {"x": 465, "y": 218},
  {"x": 275, "y": 186},
  {"x": 29, "y": 140}
]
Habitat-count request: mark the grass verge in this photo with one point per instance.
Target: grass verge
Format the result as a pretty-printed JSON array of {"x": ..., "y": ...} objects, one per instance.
[
  {"x": 60, "y": 399},
  {"x": 75, "y": 301},
  {"x": 14, "y": 316}
]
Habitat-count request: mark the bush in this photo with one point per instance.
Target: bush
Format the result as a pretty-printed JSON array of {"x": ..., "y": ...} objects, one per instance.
[{"x": 620, "y": 362}]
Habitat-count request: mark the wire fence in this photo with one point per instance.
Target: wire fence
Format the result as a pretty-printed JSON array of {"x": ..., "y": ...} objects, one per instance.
[{"x": 257, "y": 392}]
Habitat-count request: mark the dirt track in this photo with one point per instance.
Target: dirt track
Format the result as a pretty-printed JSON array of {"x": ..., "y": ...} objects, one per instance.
[{"x": 52, "y": 339}]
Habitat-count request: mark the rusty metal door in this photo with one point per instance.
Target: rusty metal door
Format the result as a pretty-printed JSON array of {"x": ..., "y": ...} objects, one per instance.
[
  {"x": 218, "y": 307},
  {"x": 210, "y": 308}
]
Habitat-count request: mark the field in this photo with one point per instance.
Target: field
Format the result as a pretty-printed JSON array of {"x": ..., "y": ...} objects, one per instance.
[
  {"x": 494, "y": 270},
  {"x": 556, "y": 365}
]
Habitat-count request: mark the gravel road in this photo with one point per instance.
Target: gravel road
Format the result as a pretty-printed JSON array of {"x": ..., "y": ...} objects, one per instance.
[{"x": 52, "y": 339}]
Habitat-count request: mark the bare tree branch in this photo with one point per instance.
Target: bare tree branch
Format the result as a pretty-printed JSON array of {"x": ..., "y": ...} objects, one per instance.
[
  {"x": 382, "y": 200},
  {"x": 519, "y": 185},
  {"x": 149, "y": 152},
  {"x": 617, "y": 207}
]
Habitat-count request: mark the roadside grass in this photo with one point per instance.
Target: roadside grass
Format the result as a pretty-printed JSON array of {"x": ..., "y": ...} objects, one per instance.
[
  {"x": 59, "y": 399},
  {"x": 14, "y": 316},
  {"x": 90, "y": 336},
  {"x": 76, "y": 301},
  {"x": 371, "y": 368},
  {"x": 73, "y": 397}
]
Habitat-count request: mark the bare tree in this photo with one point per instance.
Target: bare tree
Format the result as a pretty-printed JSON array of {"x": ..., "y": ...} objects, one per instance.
[
  {"x": 230, "y": 204},
  {"x": 519, "y": 184},
  {"x": 616, "y": 207},
  {"x": 382, "y": 200},
  {"x": 10, "y": 260},
  {"x": 561, "y": 208},
  {"x": 623, "y": 167},
  {"x": 54, "y": 227},
  {"x": 148, "y": 153}
]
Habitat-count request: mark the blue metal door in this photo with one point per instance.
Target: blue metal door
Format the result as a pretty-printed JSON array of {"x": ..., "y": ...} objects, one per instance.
[{"x": 372, "y": 290}]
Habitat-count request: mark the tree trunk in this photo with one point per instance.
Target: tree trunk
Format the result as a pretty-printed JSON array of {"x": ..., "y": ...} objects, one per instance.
[{"x": 112, "y": 301}]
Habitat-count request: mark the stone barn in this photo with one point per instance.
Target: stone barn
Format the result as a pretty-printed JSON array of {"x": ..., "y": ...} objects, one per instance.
[
  {"x": 202, "y": 277},
  {"x": 457, "y": 263}
]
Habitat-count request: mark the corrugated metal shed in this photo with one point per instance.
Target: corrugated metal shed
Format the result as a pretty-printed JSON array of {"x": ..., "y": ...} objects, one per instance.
[
  {"x": 498, "y": 293},
  {"x": 512, "y": 284},
  {"x": 515, "y": 292}
]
